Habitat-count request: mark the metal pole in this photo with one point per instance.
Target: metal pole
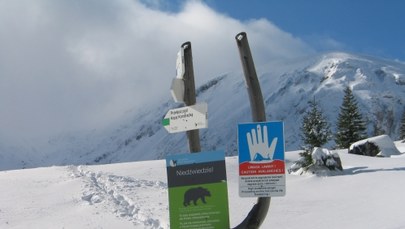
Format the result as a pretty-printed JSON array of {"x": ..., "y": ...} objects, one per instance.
[
  {"x": 259, "y": 211},
  {"x": 189, "y": 95}
]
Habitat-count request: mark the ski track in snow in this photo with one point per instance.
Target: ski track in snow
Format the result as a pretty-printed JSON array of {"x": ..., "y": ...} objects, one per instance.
[{"x": 125, "y": 196}]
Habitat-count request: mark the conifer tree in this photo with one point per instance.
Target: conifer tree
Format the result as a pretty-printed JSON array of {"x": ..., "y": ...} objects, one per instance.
[
  {"x": 315, "y": 130},
  {"x": 402, "y": 129},
  {"x": 350, "y": 124}
]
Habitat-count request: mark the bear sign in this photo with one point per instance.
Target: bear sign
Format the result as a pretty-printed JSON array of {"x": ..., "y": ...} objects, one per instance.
[{"x": 198, "y": 196}]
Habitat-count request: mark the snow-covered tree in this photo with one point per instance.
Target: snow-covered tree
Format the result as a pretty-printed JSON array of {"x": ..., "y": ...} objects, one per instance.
[
  {"x": 315, "y": 130},
  {"x": 402, "y": 129},
  {"x": 350, "y": 124}
]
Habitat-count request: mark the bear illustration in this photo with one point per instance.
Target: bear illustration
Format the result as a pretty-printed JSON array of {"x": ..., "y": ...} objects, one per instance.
[{"x": 193, "y": 194}]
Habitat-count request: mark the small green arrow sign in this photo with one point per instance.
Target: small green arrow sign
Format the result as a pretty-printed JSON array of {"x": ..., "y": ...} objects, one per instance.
[{"x": 166, "y": 121}]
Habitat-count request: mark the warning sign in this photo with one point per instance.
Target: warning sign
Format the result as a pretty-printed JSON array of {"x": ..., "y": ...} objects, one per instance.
[
  {"x": 198, "y": 196},
  {"x": 261, "y": 159}
]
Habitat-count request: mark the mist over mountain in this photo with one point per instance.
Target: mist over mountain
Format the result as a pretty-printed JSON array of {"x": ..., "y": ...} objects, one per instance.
[{"x": 377, "y": 84}]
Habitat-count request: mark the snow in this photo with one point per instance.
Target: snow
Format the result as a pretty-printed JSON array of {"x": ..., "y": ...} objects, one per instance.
[
  {"x": 384, "y": 143},
  {"x": 324, "y": 163},
  {"x": 368, "y": 194}
]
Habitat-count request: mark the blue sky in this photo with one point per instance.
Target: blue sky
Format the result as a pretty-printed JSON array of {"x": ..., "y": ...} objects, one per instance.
[{"x": 373, "y": 27}]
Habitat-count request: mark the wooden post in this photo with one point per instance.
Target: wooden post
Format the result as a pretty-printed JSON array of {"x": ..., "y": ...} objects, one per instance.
[{"x": 189, "y": 95}]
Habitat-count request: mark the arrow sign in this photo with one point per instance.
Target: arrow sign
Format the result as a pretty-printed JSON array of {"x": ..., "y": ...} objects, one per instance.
[{"x": 186, "y": 118}]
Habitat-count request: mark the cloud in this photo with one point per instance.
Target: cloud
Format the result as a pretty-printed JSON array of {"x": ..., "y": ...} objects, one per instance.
[
  {"x": 76, "y": 65},
  {"x": 323, "y": 43}
]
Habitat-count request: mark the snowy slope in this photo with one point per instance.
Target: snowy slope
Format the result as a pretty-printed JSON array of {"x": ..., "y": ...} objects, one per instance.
[
  {"x": 378, "y": 84},
  {"x": 134, "y": 195},
  {"x": 379, "y": 87}
]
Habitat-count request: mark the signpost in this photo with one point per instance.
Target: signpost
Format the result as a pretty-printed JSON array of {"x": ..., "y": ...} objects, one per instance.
[
  {"x": 185, "y": 80},
  {"x": 186, "y": 118},
  {"x": 259, "y": 211},
  {"x": 261, "y": 159},
  {"x": 198, "y": 196}
]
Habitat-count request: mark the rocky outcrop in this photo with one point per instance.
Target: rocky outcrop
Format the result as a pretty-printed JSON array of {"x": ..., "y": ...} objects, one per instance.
[{"x": 379, "y": 146}]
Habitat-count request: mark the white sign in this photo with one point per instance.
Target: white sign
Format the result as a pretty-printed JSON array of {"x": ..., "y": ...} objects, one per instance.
[
  {"x": 261, "y": 159},
  {"x": 180, "y": 67},
  {"x": 177, "y": 90},
  {"x": 186, "y": 118}
]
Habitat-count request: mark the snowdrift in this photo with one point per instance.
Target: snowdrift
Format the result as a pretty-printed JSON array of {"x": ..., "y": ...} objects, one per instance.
[{"x": 134, "y": 195}]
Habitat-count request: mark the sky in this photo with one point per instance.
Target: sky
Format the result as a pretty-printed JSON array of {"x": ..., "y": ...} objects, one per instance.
[
  {"x": 79, "y": 65},
  {"x": 368, "y": 27}
]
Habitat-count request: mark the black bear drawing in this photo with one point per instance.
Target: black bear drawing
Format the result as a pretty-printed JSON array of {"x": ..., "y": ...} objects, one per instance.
[{"x": 193, "y": 194}]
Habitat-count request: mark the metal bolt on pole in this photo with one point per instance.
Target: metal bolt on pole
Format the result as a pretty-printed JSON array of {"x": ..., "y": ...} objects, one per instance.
[
  {"x": 189, "y": 95},
  {"x": 259, "y": 211}
]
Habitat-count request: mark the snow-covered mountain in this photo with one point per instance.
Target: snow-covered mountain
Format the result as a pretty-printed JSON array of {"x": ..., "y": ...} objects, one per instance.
[{"x": 378, "y": 85}]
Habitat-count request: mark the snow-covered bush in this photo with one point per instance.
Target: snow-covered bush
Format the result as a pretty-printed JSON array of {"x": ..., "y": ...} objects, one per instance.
[{"x": 324, "y": 162}]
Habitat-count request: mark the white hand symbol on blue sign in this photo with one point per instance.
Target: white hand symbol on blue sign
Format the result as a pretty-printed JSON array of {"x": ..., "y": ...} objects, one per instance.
[{"x": 258, "y": 143}]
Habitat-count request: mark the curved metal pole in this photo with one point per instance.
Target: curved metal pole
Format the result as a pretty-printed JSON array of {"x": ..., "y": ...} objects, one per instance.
[{"x": 259, "y": 211}]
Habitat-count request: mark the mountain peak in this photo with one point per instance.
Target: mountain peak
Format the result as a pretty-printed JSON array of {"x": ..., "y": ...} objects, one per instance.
[{"x": 378, "y": 86}]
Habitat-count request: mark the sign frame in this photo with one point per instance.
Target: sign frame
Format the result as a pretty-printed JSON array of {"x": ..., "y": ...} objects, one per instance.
[
  {"x": 197, "y": 188},
  {"x": 186, "y": 118},
  {"x": 261, "y": 159}
]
